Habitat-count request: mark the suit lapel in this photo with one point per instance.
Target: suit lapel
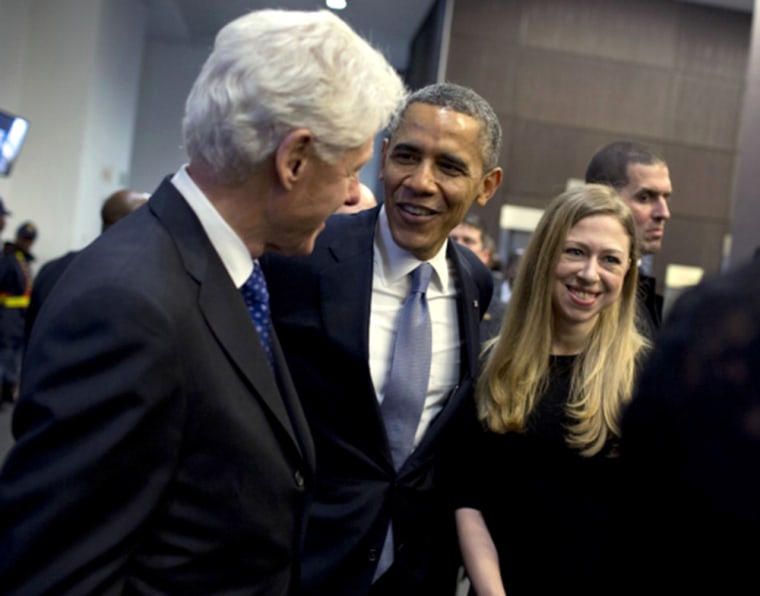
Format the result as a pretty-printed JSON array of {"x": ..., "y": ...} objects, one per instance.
[
  {"x": 346, "y": 286},
  {"x": 293, "y": 404},
  {"x": 468, "y": 310},
  {"x": 345, "y": 300},
  {"x": 220, "y": 302}
]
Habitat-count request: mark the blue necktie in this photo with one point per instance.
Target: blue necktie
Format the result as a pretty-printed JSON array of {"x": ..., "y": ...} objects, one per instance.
[
  {"x": 256, "y": 298},
  {"x": 407, "y": 385}
]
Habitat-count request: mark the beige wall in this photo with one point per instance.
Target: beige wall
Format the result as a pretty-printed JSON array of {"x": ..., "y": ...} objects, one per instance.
[{"x": 568, "y": 77}]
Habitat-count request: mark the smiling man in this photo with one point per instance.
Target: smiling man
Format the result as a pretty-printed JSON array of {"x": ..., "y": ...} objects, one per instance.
[
  {"x": 379, "y": 523},
  {"x": 642, "y": 180}
]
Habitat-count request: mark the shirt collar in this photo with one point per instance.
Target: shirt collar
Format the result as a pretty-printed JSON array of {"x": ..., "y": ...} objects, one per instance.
[
  {"x": 228, "y": 245},
  {"x": 397, "y": 262}
]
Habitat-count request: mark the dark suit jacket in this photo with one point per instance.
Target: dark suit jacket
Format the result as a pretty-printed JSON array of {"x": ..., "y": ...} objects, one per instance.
[
  {"x": 44, "y": 282},
  {"x": 156, "y": 452},
  {"x": 690, "y": 447},
  {"x": 321, "y": 309},
  {"x": 648, "y": 306}
]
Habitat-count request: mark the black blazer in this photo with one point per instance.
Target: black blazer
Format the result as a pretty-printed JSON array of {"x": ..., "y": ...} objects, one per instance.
[
  {"x": 157, "y": 453},
  {"x": 321, "y": 309}
]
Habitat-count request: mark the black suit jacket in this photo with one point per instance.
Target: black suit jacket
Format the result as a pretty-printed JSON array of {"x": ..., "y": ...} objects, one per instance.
[
  {"x": 156, "y": 451},
  {"x": 321, "y": 309},
  {"x": 648, "y": 306},
  {"x": 44, "y": 282}
]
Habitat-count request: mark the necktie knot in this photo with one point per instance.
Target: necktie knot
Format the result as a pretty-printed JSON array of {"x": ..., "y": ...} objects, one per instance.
[{"x": 421, "y": 278}]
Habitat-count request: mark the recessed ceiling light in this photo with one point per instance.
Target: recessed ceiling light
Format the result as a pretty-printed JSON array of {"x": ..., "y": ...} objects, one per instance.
[{"x": 336, "y": 4}]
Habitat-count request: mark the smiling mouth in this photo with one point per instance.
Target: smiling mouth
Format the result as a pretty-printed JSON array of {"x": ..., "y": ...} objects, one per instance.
[
  {"x": 583, "y": 295},
  {"x": 416, "y": 210}
]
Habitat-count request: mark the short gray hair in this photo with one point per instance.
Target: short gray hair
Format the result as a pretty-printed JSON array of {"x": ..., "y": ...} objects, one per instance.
[
  {"x": 272, "y": 71},
  {"x": 465, "y": 101}
]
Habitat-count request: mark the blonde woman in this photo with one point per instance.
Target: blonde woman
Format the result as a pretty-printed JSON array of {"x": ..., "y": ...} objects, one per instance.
[{"x": 539, "y": 478}]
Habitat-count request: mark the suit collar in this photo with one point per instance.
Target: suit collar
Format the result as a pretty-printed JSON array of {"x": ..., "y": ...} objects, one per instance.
[
  {"x": 347, "y": 314},
  {"x": 395, "y": 262},
  {"x": 228, "y": 245}
]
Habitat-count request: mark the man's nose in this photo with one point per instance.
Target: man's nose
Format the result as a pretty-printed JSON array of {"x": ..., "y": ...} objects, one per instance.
[
  {"x": 422, "y": 179},
  {"x": 661, "y": 210},
  {"x": 354, "y": 191}
]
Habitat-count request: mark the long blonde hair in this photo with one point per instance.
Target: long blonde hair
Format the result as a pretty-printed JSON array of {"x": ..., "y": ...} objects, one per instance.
[{"x": 516, "y": 371}]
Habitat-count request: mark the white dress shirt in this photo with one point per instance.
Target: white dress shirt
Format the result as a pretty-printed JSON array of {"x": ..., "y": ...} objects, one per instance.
[{"x": 390, "y": 286}]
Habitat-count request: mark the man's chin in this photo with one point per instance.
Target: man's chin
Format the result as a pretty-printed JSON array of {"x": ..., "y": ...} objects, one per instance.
[
  {"x": 650, "y": 248},
  {"x": 295, "y": 250}
]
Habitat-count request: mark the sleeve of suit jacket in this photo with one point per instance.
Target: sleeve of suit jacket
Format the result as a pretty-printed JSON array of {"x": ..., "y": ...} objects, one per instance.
[{"x": 90, "y": 409}]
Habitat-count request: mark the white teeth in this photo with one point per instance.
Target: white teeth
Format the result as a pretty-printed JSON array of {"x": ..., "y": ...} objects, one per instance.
[
  {"x": 583, "y": 295},
  {"x": 413, "y": 210}
]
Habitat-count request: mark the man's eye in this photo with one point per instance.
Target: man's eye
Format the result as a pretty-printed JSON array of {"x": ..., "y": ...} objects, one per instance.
[
  {"x": 403, "y": 157},
  {"x": 450, "y": 169}
]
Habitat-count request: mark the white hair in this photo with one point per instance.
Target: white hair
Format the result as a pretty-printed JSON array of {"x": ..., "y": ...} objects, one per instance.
[{"x": 272, "y": 71}]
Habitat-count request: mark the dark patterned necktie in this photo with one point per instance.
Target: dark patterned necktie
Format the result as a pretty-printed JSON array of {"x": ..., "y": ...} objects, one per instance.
[{"x": 256, "y": 298}]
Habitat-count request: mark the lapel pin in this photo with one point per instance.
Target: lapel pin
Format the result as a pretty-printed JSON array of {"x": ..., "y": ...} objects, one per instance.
[{"x": 476, "y": 304}]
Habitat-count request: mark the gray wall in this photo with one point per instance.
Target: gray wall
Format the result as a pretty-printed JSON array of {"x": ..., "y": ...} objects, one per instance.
[{"x": 568, "y": 77}]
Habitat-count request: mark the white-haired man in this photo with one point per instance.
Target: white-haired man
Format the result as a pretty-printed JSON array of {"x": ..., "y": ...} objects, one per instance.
[{"x": 161, "y": 448}]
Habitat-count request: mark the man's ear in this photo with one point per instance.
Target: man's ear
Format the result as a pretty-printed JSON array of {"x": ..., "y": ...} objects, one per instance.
[
  {"x": 383, "y": 154},
  {"x": 295, "y": 149},
  {"x": 489, "y": 185}
]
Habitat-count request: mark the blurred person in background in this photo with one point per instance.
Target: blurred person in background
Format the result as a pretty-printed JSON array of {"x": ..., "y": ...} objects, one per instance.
[{"x": 16, "y": 281}]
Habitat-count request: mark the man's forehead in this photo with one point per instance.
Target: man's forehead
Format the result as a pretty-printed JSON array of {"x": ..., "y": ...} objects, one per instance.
[
  {"x": 430, "y": 118},
  {"x": 466, "y": 228},
  {"x": 655, "y": 176}
]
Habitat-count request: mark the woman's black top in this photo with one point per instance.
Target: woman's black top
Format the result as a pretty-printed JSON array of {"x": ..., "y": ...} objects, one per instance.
[{"x": 546, "y": 506}]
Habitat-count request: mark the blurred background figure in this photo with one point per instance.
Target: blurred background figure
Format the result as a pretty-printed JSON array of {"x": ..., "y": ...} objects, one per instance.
[
  {"x": 510, "y": 271},
  {"x": 15, "y": 289},
  {"x": 116, "y": 206},
  {"x": 119, "y": 205},
  {"x": 364, "y": 199},
  {"x": 471, "y": 232},
  {"x": 3, "y": 214},
  {"x": 690, "y": 448}
]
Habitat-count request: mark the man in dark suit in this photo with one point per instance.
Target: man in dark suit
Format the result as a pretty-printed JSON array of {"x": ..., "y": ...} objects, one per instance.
[
  {"x": 161, "y": 448},
  {"x": 690, "y": 447},
  {"x": 642, "y": 180},
  {"x": 376, "y": 528},
  {"x": 472, "y": 233}
]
